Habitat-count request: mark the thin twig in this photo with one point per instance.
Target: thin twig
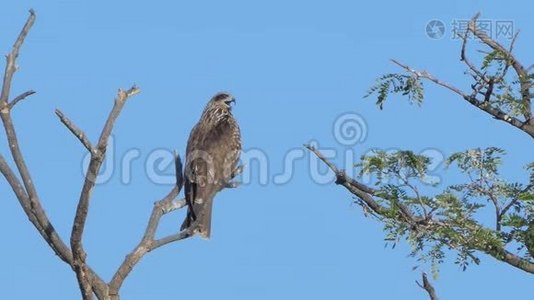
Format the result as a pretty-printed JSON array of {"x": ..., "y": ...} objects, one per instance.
[
  {"x": 427, "y": 286},
  {"x": 414, "y": 189},
  {"x": 515, "y": 200},
  {"x": 464, "y": 58},
  {"x": 20, "y": 98},
  {"x": 11, "y": 60},
  {"x": 484, "y": 106},
  {"x": 426, "y": 75},
  {"x": 507, "y": 62},
  {"x": 186, "y": 233},
  {"x": 78, "y": 133},
  {"x": 510, "y": 60},
  {"x": 489, "y": 192},
  {"x": 520, "y": 70}
]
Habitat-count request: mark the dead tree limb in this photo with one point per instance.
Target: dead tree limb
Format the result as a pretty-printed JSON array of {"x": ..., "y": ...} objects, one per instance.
[
  {"x": 89, "y": 281},
  {"x": 148, "y": 242},
  {"x": 11, "y": 59},
  {"x": 20, "y": 97},
  {"x": 78, "y": 133},
  {"x": 25, "y": 191},
  {"x": 97, "y": 158}
]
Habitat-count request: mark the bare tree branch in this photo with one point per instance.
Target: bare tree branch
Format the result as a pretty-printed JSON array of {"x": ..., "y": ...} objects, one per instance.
[
  {"x": 4, "y": 112},
  {"x": 17, "y": 187},
  {"x": 11, "y": 58},
  {"x": 147, "y": 243},
  {"x": 97, "y": 158},
  {"x": 78, "y": 133},
  {"x": 25, "y": 191},
  {"x": 427, "y": 286},
  {"x": 27, "y": 195},
  {"x": 88, "y": 280},
  {"x": 186, "y": 233},
  {"x": 20, "y": 98},
  {"x": 482, "y": 105}
]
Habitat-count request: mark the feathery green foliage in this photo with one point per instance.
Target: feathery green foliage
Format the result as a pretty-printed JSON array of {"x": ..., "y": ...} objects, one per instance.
[{"x": 462, "y": 217}]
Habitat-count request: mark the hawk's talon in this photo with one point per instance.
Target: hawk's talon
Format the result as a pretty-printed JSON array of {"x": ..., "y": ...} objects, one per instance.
[
  {"x": 232, "y": 184},
  {"x": 237, "y": 171}
]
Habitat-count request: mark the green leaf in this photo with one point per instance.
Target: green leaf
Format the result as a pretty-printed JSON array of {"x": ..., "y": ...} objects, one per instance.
[{"x": 395, "y": 83}]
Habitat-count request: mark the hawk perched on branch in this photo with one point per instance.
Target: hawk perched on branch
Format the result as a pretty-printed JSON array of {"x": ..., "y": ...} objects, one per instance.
[{"x": 212, "y": 155}]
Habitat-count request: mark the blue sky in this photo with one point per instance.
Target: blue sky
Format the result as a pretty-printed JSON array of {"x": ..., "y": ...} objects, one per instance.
[{"x": 294, "y": 68}]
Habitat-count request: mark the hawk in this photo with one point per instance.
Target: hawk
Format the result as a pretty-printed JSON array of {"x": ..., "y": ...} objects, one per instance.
[{"x": 212, "y": 155}]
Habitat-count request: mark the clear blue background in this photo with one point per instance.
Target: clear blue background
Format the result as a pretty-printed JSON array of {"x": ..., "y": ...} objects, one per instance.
[{"x": 294, "y": 67}]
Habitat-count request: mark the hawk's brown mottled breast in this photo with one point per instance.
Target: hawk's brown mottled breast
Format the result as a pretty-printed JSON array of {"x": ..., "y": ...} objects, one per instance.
[{"x": 212, "y": 154}]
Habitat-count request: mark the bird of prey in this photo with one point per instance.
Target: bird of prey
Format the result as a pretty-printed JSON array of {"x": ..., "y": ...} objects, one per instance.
[{"x": 212, "y": 155}]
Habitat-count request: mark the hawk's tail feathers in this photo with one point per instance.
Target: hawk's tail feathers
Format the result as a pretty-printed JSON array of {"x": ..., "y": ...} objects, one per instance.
[{"x": 203, "y": 226}]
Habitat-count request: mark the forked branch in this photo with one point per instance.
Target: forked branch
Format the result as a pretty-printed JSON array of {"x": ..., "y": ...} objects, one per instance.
[
  {"x": 25, "y": 191},
  {"x": 149, "y": 242},
  {"x": 472, "y": 99},
  {"x": 486, "y": 84},
  {"x": 415, "y": 222},
  {"x": 89, "y": 281}
]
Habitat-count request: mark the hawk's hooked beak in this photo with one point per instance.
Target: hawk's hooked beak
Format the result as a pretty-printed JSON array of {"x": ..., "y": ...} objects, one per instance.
[{"x": 230, "y": 102}]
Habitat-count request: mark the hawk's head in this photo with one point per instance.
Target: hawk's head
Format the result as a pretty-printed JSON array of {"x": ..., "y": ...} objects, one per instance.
[{"x": 222, "y": 100}]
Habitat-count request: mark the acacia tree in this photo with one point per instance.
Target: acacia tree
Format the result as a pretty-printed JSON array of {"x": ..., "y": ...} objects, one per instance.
[
  {"x": 450, "y": 219},
  {"x": 20, "y": 180}
]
